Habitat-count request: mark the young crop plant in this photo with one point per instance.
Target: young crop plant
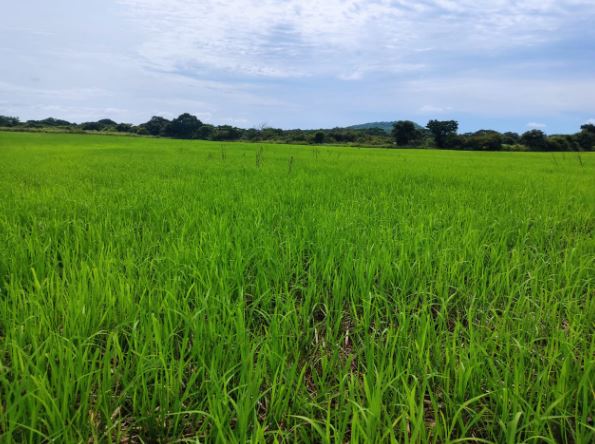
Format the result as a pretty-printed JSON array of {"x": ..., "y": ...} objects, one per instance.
[{"x": 149, "y": 293}]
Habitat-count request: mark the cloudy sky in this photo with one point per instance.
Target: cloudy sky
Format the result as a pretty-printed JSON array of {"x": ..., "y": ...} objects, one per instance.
[{"x": 502, "y": 64}]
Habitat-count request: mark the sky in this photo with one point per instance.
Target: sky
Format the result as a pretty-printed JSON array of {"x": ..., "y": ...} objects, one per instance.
[{"x": 497, "y": 64}]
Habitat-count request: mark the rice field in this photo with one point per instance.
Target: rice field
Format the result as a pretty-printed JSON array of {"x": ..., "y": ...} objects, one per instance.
[{"x": 154, "y": 290}]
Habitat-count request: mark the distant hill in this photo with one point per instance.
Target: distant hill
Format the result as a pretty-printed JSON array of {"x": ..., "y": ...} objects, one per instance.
[{"x": 386, "y": 126}]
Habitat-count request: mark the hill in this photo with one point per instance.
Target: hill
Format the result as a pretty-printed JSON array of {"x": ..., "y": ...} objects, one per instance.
[{"x": 386, "y": 126}]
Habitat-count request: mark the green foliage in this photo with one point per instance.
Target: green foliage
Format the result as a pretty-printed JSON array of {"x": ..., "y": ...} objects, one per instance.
[
  {"x": 8, "y": 121},
  {"x": 185, "y": 126},
  {"x": 535, "y": 140},
  {"x": 444, "y": 132},
  {"x": 405, "y": 133},
  {"x": 586, "y": 138},
  {"x": 226, "y": 132},
  {"x": 100, "y": 125},
  {"x": 123, "y": 127},
  {"x": 156, "y": 125},
  {"x": 510, "y": 138},
  {"x": 158, "y": 290},
  {"x": 483, "y": 140},
  {"x": 318, "y": 137},
  {"x": 562, "y": 143}
]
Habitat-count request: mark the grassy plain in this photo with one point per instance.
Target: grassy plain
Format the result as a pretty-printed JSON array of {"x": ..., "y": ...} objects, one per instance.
[{"x": 154, "y": 290}]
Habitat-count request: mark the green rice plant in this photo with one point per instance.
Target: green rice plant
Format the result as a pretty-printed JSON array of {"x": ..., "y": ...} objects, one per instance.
[{"x": 149, "y": 293}]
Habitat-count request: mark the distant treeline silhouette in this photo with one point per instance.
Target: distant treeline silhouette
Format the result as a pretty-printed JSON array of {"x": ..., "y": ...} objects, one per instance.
[{"x": 439, "y": 134}]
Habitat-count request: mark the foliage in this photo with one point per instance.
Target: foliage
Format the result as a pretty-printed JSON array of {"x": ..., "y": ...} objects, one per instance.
[
  {"x": 444, "y": 132},
  {"x": 483, "y": 140},
  {"x": 443, "y": 135},
  {"x": 156, "y": 125},
  {"x": 586, "y": 138},
  {"x": 405, "y": 133},
  {"x": 318, "y": 137},
  {"x": 510, "y": 138},
  {"x": 8, "y": 121},
  {"x": 535, "y": 140},
  {"x": 157, "y": 290},
  {"x": 185, "y": 126},
  {"x": 226, "y": 132}
]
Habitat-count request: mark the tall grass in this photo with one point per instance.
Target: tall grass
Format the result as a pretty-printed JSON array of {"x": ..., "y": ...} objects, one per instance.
[{"x": 168, "y": 291}]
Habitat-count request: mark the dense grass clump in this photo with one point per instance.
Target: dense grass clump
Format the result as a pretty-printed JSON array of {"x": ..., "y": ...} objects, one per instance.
[{"x": 159, "y": 291}]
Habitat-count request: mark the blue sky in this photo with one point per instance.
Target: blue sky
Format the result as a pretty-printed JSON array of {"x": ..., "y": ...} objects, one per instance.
[{"x": 501, "y": 64}]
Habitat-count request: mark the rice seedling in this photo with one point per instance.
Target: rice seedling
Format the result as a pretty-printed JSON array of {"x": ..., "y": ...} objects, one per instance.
[{"x": 150, "y": 294}]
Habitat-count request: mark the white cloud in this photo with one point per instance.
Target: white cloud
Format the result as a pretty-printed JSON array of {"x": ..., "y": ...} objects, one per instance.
[
  {"x": 591, "y": 121},
  {"x": 431, "y": 109},
  {"x": 307, "y": 63},
  {"x": 498, "y": 94},
  {"x": 300, "y": 38},
  {"x": 535, "y": 125}
]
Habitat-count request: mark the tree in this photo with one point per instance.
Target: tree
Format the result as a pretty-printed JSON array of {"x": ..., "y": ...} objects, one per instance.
[
  {"x": 155, "y": 126},
  {"x": 205, "y": 132},
  {"x": 405, "y": 132},
  {"x": 535, "y": 140},
  {"x": 7, "y": 121},
  {"x": 227, "y": 132},
  {"x": 91, "y": 126},
  {"x": 318, "y": 137},
  {"x": 185, "y": 126},
  {"x": 443, "y": 131},
  {"x": 586, "y": 138},
  {"x": 50, "y": 121},
  {"x": 510, "y": 138},
  {"x": 106, "y": 123},
  {"x": 484, "y": 140},
  {"x": 559, "y": 143},
  {"x": 124, "y": 127}
]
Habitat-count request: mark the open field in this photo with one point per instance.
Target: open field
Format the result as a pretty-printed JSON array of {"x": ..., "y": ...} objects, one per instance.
[{"x": 155, "y": 290}]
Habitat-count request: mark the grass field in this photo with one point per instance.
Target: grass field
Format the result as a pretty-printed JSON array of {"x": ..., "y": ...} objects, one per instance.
[{"x": 154, "y": 290}]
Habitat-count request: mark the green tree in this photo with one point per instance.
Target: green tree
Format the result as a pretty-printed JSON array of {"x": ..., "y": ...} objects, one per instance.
[
  {"x": 484, "y": 140},
  {"x": 227, "y": 132},
  {"x": 205, "y": 132},
  {"x": 319, "y": 137},
  {"x": 586, "y": 138},
  {"x": 91, "y": 126},
  {"x": 155, "y": 126},
  {"x": 185, "y": 126},
  {"x": 124, "y": 127},
  {"x": 561, "y": 143},
  {"x": 8, "y": 121},
  {"x": 405, "y": 132},
  {"x": 50, "y": 121},
  {"x": 443, "y": 131},
  {"x": 535, "y": 140},
  {"x": 510, "y": 138}
]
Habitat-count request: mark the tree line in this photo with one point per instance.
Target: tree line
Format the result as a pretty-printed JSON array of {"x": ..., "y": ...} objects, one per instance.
[
  {"x": 444, "y": 134},
  {"x": 441, "y": 134}
]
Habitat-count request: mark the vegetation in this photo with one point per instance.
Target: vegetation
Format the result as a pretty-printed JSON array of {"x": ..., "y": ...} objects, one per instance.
[
  {"x": 406, "y": 133},
  {"x": 444, "y": 132},
  {"x": 156, "y": 290},
  {"x": 403, "y": 133}
]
